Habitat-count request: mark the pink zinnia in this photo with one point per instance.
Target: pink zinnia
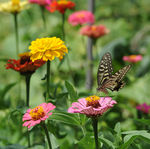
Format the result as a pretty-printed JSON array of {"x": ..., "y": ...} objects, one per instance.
[
  {"x": 41, "y": 2},
  {"x": 81, "y": 17},
  {"x": 133, "y": 58},
  {"x": 40, "y": 113},
  {"x": 144, "y": 108},
  {"x": 94, "y": 31},
  {"x": 92, "y": 105}
]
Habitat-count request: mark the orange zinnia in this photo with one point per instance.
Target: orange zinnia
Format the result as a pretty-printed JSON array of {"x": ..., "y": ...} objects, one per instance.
[
  {"x": 61, "y": 6},
  {"x": 24, "y": 65}
]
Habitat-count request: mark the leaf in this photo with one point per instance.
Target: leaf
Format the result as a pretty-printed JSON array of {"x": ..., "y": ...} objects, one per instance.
[
  {"x": 107, "y": 142},
  {"x": 117, "y": 128},
  {"x": 143, "y": 121},
  {"x": 128, "y": 139},
  {"x": 6, "y": 89},
  {"x": 118, "y": 137},
  {"x": 65, "y": 117},
  {"x": 54, "y": 141},
  {"x": 134, "y": 132},
  {"x": 14, "y": 146},
  {"x": 71, "y": 91},
  {"x": 87, "y": 142}
]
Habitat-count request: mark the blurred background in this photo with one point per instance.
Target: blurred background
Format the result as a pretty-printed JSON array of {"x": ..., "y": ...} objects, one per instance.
[{"x": 128, "y": 22}]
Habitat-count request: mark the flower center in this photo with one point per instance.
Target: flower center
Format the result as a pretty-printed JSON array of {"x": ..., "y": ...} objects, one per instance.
[
  {"x": 132, "y": 56},
  {"x": 37, "y": 113},
  {"x": 93, "y": 28},
  {"x": 93, "y": 101},
  {"x": 62, "y": 2},
  {"x": 24, "y": 59},
  {"x": 15, "y": 2},
  {"x": 81, "y": 15}
]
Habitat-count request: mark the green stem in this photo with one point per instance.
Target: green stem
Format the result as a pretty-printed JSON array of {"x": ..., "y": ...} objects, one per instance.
[
  {"x": 63, "y": 26},
  {"x": 28, "y": 136},
  {"x": 48, "y": 79},
  {"x": 95, "y": 124},
  {"x": 43, "y": 16},
  {"x": 28, "y": 78},
  {"x": 16, "y": 33},
  {"x": 43, "y": 125}
]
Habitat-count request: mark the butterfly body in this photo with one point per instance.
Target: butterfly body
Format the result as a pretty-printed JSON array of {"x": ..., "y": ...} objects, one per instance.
[{"x": 105, "y": 78}]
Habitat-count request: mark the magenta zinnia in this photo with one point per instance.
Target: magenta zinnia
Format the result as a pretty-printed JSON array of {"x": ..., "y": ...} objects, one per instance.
[
  {"x": 145, "y": 108},
  {"x": 133, "y": 58},
  {"x": 81, "y": 17},
  {"x": 92, "y": 105},
  {"x": 40, "y": 113}
]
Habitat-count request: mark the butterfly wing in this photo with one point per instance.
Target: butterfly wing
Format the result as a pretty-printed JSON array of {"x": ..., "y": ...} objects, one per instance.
[
  {"x": 105, "y": 69},
  {"x": 115, "y": 82}
]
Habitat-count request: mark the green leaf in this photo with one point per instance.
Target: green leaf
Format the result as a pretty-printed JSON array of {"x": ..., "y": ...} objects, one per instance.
[
  {"x": 134, "y": 132},
  {"x": 118, "y": 137},
  {"x": 87, "y": 142},
  {"x": 143, "y": 121},
  {"x": 14, "y": 146},
  {"x": 65, "y": 117},
  {"x": 71, "y": 91},
  {"x": 6, "y": 89},
  {"x": 107, "y": 142},
  {"x": 117, "y": 128},
  {"x": 128, "y": 139}
]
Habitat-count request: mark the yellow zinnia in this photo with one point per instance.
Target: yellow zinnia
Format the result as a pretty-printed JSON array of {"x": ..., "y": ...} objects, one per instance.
[
  {"x": 47, "y": 49},
  {"x": 13, "y": 6}
]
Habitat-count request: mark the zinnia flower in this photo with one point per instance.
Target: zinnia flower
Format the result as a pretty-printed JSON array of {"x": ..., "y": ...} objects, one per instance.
[
  {"x": 144, "y": 108},
  {"x": 94, "y": 31},
  {"x": 13, "y": 6},
  {"x": 24, "y": 65},
  {"x": 61, "y": 6},
  {"x": 92, "y": 105},
  {"x": 40, "y": 113},
  {"x": 47, "y": 49},
  {"x": 133, "y": 58},
  {"x": 41, "y": 2},
  {"x": 81, "y": 17}
]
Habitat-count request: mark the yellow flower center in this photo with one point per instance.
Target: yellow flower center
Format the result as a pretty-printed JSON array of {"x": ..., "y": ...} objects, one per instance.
[
  {"x": 37, "y": 113},
  {"x": 15, "y": 2},
  {"x": 24, "y": 54},
  {"x": 62, "y": 2},
  {"x": 93, "y": 101},
  {"x": 132, "y": 56},
  {"x": 93, "y": 28},
  {"x": 81, "y": 15}
]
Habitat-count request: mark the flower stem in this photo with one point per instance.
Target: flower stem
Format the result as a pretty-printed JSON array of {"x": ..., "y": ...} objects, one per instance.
[
  {"x": 95, "y": 124},
  {"x": 16, "y": 33},
  {"x": 48, "y": 79},
  {"x": 28, "y": 136},
  {"x": 43, "y": 16},
  {"x": 43, "y": 125},
  {"x": 28, "y": 78},
  {"x": 63, "y": 27}
]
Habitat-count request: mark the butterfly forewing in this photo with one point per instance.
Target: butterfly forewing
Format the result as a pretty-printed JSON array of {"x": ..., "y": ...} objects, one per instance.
[{"x": 105, "y": 69}]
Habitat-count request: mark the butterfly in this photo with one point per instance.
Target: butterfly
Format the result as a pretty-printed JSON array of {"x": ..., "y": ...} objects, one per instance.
[{"x": 105, "y": 78}]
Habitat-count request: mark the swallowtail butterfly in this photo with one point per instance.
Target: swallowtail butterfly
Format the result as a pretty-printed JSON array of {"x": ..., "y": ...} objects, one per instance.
[{"x": 105, "y": 78}]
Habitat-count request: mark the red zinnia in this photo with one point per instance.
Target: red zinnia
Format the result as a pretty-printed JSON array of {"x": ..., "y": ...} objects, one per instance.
[
  {"x": 24, "y": 65},
  {"x": 60, "y": 5},
  {"x": 94, "y": 31}
]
